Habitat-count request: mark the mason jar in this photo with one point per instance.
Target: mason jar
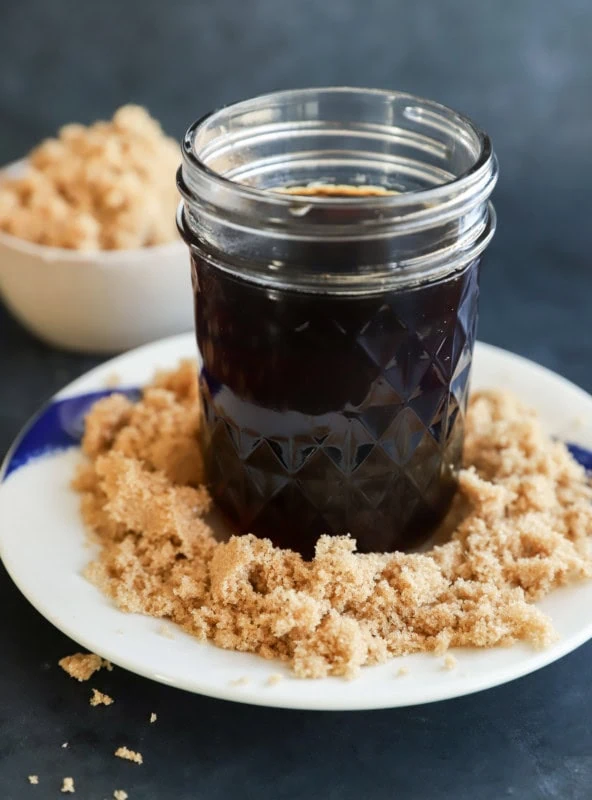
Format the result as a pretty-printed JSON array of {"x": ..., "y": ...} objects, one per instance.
[{"x": 336, "y": 236}]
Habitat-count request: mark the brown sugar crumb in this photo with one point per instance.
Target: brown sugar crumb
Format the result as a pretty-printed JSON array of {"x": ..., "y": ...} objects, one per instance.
[
  {"x": 163, "y": 630},
  {"x": 240, "y": 681},
  {"x": 68, "y": 786},
  {"x": 119, "y": 794},
  {"x": 98, "y": 699},
  {"x": 82, "y": 666},
  {"x": 274, "y": 679},
  {"x": 129, "y": 755},
  {"x": 402, "y": 671},
  {"x": 153, "y": 717},
  {"x": 34, "y": 779},
  {"x": 519, "y": 528},
  {"x": 449, "y": 662},
  {"x": 112, "y": 380}
]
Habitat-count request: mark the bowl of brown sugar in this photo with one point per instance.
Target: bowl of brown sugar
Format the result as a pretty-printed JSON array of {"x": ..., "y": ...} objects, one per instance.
[{"x": 90, "y": 258}]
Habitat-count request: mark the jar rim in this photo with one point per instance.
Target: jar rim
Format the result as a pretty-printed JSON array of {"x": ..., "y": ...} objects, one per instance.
[
  {"x": 387, "y": 201},
  {"x": 357, "y": 137}
]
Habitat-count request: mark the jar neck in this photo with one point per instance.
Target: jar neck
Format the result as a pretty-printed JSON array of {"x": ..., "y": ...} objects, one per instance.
[{"x": 438, "y": 167}]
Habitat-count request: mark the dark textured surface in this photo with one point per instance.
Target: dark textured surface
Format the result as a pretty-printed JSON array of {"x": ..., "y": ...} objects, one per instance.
[{"x": 523, "y": 71}]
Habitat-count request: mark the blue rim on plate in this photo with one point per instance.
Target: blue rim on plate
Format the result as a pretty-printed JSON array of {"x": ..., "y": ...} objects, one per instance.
[{"x": 58, "y": 426}]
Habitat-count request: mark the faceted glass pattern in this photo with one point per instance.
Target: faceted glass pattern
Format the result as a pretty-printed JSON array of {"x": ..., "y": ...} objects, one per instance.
[{"x": 330, "y": 414}]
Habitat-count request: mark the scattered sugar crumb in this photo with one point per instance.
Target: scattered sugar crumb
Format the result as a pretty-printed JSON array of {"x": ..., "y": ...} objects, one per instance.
[
  {"x": 82, "y": 666},
  {"x": 449, "y": 662},
  {"x": 99, "y": 698},
  {"x": 442, "y": 643},
  {"x": 108, "y": 665},
  {"x": 34, "y": 779},
  {"x": 129, "y": 755},
  {"x": 165, "y": 631},
  {"x": 240, "y": 681},
  {"x": 112, "y": 380},
  {"x": 402, "y": 671},
  {"x": 519, "y": 527},
  {"x": 68, "y": 786},
  {"x": 65, "y": 744},
  {"x": 273, "y": 679},
  {"x": 153, "y": 717},
  {"x": 119, "y": 794}
]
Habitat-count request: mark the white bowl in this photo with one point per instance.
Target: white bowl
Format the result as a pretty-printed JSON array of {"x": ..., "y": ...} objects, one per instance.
[{"x": 99, "y": 302}]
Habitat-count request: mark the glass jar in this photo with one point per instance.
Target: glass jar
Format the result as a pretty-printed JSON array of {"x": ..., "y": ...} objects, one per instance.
[{"x": 335, "y": 325}]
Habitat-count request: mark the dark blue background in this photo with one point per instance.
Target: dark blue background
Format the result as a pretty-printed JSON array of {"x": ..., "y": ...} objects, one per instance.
[{"x": 523, "y": 71}]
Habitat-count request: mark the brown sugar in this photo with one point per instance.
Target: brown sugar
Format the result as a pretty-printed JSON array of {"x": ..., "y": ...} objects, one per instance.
[
  {"x": 449, "y": 662},
  {"x": 108, "y": 186},
  {"x": 335, "y": 190},
  {"x": 82, "y": 666},
  {"x": 129, "y": 755},
  {"x": 112, "y": 380},
  {"x": 166, "y": 632},
  {"x": 242, "y": 681},
  {"x": 519, "y": 528},
  {"x": 99, "y": 699}
]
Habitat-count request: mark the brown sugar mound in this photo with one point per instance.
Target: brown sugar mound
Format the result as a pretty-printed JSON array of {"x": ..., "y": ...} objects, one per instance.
[
  {"x": 106, "y": 186},
  {"x": 518, "y": 528}
]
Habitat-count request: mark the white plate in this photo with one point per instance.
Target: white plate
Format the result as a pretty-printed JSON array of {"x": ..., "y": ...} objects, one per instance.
[{"x": 42, "y": 544}]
